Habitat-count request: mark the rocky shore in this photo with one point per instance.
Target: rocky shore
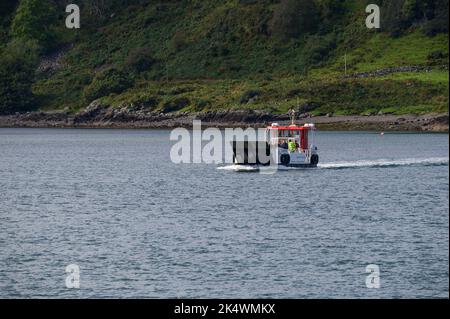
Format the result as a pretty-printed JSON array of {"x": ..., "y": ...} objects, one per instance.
[{"x": 99, "y": 116}]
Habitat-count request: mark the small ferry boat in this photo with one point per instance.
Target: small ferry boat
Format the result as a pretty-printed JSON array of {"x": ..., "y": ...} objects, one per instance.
[{"x": 288, "y": 146}]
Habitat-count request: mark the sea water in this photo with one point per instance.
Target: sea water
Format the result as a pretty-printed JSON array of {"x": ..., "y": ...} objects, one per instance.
[{"x": 112, "y": 203}]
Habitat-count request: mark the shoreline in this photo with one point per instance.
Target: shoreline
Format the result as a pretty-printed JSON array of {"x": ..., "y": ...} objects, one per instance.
[{"x": 228, "y": 119}]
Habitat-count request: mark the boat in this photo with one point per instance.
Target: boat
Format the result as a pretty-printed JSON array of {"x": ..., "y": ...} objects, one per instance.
[{"x": 285, "y": 146}]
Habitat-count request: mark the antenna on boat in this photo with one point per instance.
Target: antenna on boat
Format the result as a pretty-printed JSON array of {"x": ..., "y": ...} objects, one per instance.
[{"x": 292, "y": 116}]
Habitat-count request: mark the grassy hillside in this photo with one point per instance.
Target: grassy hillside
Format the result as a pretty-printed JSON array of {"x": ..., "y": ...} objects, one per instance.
[{"x": 203, "y": 55}]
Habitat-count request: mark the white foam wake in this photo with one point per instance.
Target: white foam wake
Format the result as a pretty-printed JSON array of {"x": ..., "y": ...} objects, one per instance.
[
  {"x": 239, "y": 168},
  {"x": 387, "y": 163},
  {"x": 435, "y": 161}
]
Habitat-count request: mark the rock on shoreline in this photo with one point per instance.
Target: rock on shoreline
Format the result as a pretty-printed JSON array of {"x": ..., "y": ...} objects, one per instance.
[{"x": 100, "y": 116}]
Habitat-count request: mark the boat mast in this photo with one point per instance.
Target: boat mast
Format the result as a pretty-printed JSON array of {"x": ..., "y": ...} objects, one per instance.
[{"x": 292, "y": 116}]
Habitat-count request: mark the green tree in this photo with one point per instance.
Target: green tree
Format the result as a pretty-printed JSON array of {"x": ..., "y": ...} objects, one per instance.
[
  {"x": 400, "y": 15},
  {"x": 293, "y": 18},
  {"x": 35, "y": 20},
  {"x": 18, "y": 63},
  {"x": 330, "y": 13},
  {"x": 393, "y": 21},
  {"x": 410, "y": 9},
  {"x": 418, "y": 10},
  {"x": 438, "y": 22}
]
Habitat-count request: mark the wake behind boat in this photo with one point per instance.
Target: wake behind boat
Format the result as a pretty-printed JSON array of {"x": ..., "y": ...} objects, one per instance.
[{"x": 284, "y": 146}]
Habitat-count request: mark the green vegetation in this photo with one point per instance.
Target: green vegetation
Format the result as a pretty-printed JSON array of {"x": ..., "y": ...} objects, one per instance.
[
  {"x": 18, "y": 63},
  {"x": 293, "y": 18},
  {"x": 35, "y": 20},
  {"x": 105, "y": 83},
  {"x": 190, "y": 56}
]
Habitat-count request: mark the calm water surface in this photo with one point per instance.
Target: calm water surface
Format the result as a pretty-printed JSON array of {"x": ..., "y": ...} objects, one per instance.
[{"x": 137, "y": 225}]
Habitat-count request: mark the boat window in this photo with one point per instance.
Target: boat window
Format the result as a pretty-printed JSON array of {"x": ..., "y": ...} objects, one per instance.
[{"x": 286, "y": 133}]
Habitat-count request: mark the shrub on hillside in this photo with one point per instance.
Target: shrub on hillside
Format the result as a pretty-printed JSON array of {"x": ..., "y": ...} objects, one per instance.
[
  {"x": 331, "y": 11},
  {"x": 439, "y": 22},
  {"x": 107, "y": 82},
  {"x": 393, "y": 23},
  {"x": 317, "y": 49},
  {"x": 139, "y": 60},
  {"x": 293, "y": 18},
  {"x": 202, "y": 104},
  {"x": 18, "y": 63},
  {"x": 438, "y": 57}
]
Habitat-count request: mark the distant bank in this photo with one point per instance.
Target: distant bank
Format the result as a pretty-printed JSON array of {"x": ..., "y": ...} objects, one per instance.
[{"x": 105, "y": 118}]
